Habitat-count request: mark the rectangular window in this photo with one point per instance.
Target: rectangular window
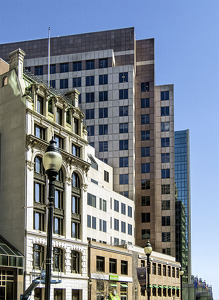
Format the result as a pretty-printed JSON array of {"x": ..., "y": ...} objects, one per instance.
[
  {"x": 58, "y": 201},
  {"x": 145, "y": 234},
  {"x": 123, "y": 94},
  {"x": 58, "y": 225},
  {"x": 165, "y": 204},
  {"x": 123, "y": 179},
  {"x": 169, "y": 272},
  {"x": 75, "y": 230},
  {"x": 103, "y": 146},
  {"x": 91, "y": 200},
  {"x": 123, "y": 77},
  {"x": 145, "y": 102},
  {"x": 64, "y": 83},
  {"x": 165, "y": 236},
  {"x": 123, "y": 208},
  {"x": 63, "y": 67},
  {"x": 103, "y": 63},
  {"x": 145, "y": 135},
  {"x": 106, "y": 176},
  {"x": 94, "y": 221},
  {"x": 88, "y": 221},
  {"x": 154, "y": 268},
  {"x": 124, "y": 267},
  {"x": 76, "y": 82},
  {"x": 145, "y": 119},
  {"x": 103, "y": 112},
  {"x": 145, "y": 184},
  {"x": 123, "y": 145},
  {"x": 123, "y": 111},
  {"x": 103, "y": 79},
  {"x": 104, "y": 205},
  {"x": 145, "y": 217},
  {"x": 39, "y": 105},
  {"x": 113, "y": 265},
  {"x": 52, "y": 69},
  {"x": 38, "y": 70},
  {"x": 103, "y": 129},
  {"x": 76, "y": 66},
  {"x": 38, "y": 256},
  {"x": 89, "y": 97},
  {"x": 76, "y": 126},
  {"x": 89, "y": 80},
  {"x": 59, "y": 141},
  {"x": 145, "y": 201},
  {"x": 116, "y": 224},
  {"x": 89, "y": 114},
  {"x": 165, "y": 157},
  {"x": 166, "y": 251},
  {"x": 165, "y": 126},
  {"x": 130, "y": 211},
  {"x": 103, "y": 96},
  {"x": 145, "y": 151},
  {"x": 104, "y": 226},
  {"x": 164, "y": 270},
  {"x": 90, "y": 130},
  {"x": 145, "y": 87},
  {"x": 165, "y": 142},
  {"x": 53, "y": 83},
  {"x": 38, "y": 192},
  {"x": 100, "y": 263},
  {"x": 39, "y": 132},
  {"x": 165, "y": 173},
  {"x": 129, "y": 229},
  {"x": 145, "y": 168},
  {"x": 166, "y": 221},
  {"x": 100, "y": 224},
  {"x": 59, "y": 116},
  {"x": 123, "y": 227},
  {"x": 165, "y": 189},
  {"x": 116, "y": 205},
  {"x": 164, "y": 95},
  {"x": 76, "y": 150},
  {"x": 57, "y": 259},
  {"x": 38, "y": 221},
  {"x": 89, "y": 64},
  {"x": 123, "y": 128},
  {"x": 75, "y": 205},
  {"x": 123, "y": 162},
  {"x": 159, "y": 269},
  {"x": 164, "y": 111}
]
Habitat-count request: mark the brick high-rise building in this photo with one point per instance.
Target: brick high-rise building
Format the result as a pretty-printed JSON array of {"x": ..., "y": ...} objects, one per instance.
[{"x": 129, "y": 120}]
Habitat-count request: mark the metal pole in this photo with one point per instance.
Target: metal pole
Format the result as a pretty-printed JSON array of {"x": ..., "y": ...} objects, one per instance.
[
  {"x": 148, "y": 275},
  {"x": 49, "y": 235}
]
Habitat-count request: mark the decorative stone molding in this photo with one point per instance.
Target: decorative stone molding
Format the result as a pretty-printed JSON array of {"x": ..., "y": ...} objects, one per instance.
[
  {"x": 30, "y": 165},
  {"x": 85, "y": 186}
]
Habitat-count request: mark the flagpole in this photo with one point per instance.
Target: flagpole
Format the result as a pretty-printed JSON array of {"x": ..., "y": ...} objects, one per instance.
[{"x": 49, "y": 57}]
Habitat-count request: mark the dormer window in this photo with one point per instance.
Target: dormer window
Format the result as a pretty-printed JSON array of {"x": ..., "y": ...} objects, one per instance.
[
  {"x": 39, "y": 105},
  {"x": 59, "y": 116}
]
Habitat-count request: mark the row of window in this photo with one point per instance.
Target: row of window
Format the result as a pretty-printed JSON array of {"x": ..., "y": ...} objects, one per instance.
[
  {"x": 103, "y": 112},
  {"x": 123, "y": 226},
  {"x": 113, "y": 265},
  {"x": 145, "y": 185},
  {"x": 58, "y": 259},
  {"x": 167, "y": 291}
]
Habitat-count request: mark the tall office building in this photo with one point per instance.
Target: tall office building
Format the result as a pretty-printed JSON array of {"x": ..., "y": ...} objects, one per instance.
[
  {"x": 129, "y": 120},
  {"x": 183, "y": 209}
]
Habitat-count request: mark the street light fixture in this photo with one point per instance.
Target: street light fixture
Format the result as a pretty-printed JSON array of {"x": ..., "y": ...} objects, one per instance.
[
  {"x": 147, "y": 251},
  {"x": 52, "y": 161},
  {"x": 181, "y": 272}
]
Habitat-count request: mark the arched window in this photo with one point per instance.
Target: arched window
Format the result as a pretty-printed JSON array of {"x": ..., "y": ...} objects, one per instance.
[
  {"x": 75, "y": 206},
  {"x": 38, "y": 256}
]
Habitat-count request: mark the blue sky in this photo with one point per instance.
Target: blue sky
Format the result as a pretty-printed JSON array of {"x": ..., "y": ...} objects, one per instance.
[{"x": 187, "y": 55}]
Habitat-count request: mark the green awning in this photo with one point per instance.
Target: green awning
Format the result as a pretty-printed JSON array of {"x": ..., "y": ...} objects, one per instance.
[
  {"x": 165, "y": 287},
  {"x": 174, "y": 287},
  {"x": 178, "y": 288},
  {"x": 112, "y": 284},
  {"x": 150, "y": 285},
  {"x": 160, "y": 286},
  {"x": 154, "y": 285},
  {"x": 170, "y": 287},
  {"x": 124, "y": 285}
]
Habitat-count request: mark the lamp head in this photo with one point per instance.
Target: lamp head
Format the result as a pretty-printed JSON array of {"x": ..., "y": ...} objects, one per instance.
[
  {"x": 148, "y": 248},
  {"x": 52, "y": 159}
]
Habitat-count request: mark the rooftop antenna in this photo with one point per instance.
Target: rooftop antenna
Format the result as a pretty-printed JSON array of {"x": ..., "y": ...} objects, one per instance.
[{"x": 49, "y": 56}]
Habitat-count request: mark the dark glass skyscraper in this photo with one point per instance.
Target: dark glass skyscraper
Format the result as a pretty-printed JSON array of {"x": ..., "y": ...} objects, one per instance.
[{"x": 183, "y": 209}]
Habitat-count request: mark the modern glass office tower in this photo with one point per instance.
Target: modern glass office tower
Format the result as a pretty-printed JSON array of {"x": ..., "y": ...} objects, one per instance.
[{"x": 183, "y": 210}]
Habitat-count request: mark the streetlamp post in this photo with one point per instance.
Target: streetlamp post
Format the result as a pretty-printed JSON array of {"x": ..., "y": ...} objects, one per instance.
[
  {"x": 181, "y": 272},
  {"x": 52, "y": 161},
  {"x": 147, "y": 251}
]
